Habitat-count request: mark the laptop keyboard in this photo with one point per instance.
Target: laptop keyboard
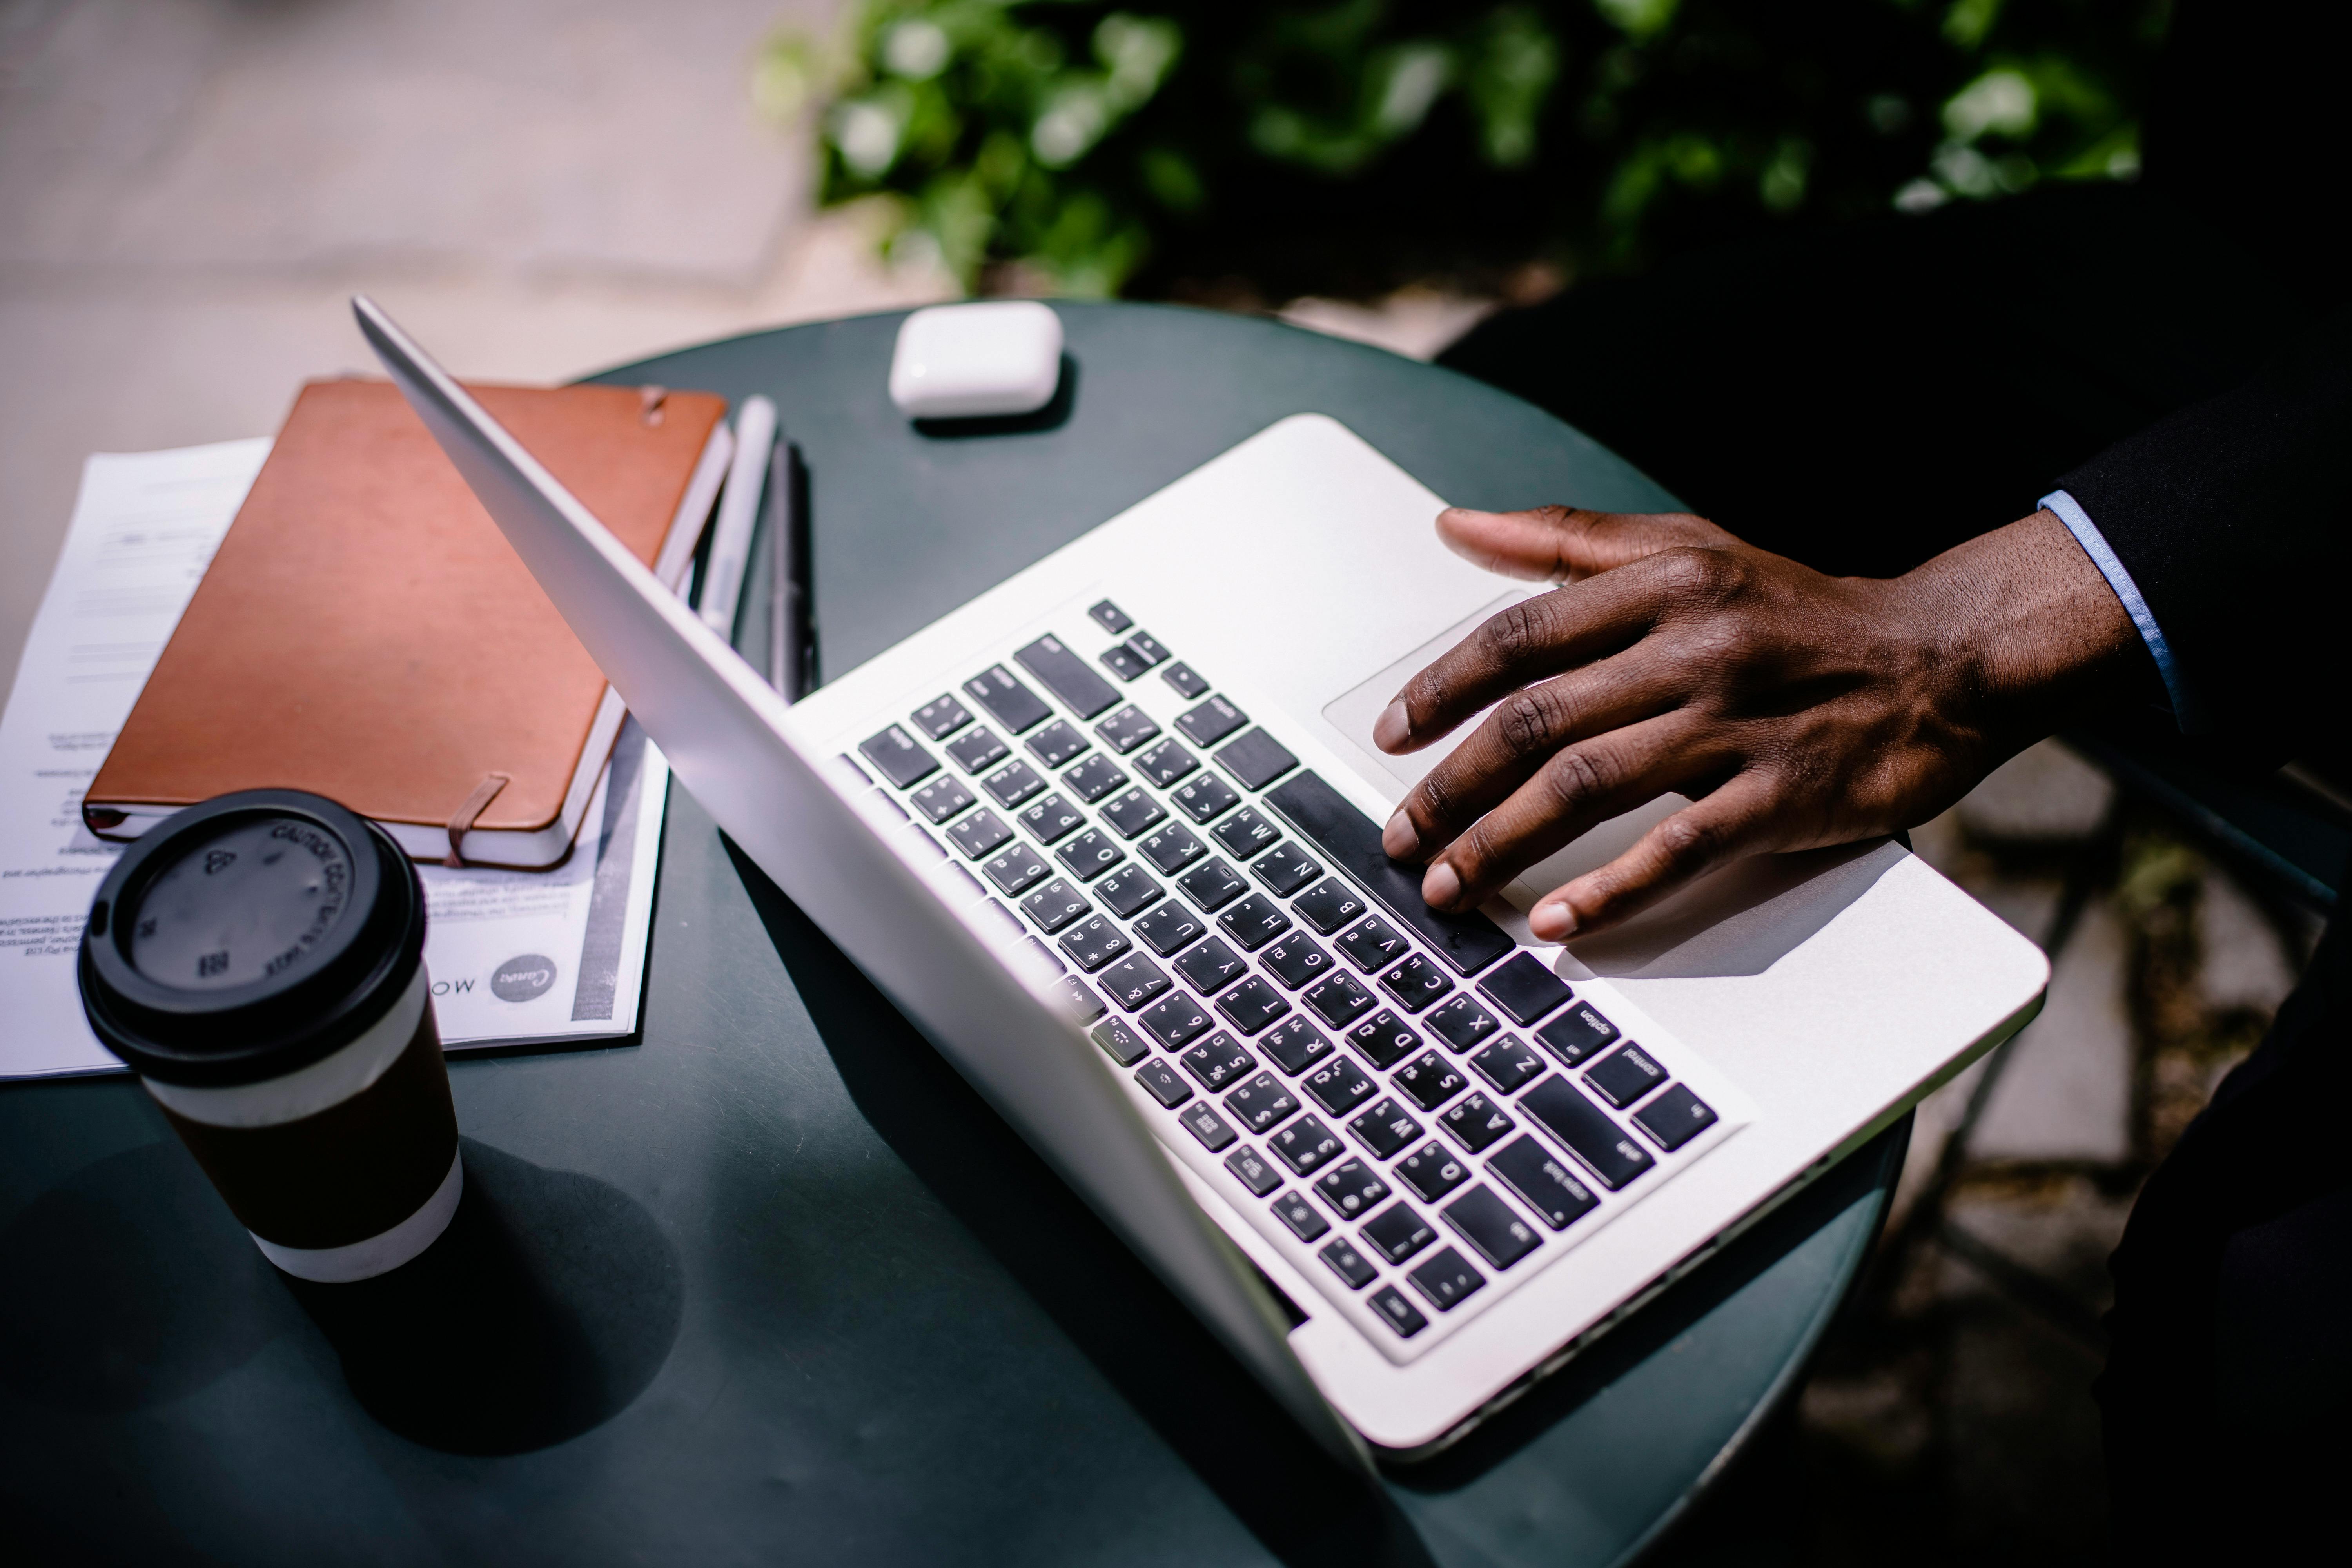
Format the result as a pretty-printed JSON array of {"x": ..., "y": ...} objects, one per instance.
[{"x": 1424, "y": 1109}]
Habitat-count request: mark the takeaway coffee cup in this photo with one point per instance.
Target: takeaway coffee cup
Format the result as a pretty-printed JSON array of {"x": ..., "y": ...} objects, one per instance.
[{"x": 258, "y": 961}]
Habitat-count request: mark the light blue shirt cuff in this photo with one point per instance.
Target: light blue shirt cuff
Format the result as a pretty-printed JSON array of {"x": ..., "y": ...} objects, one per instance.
[{"x": 2094, "y": 545}]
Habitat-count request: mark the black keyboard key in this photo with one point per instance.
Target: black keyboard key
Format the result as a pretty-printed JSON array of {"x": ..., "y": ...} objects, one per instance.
[
  {"x": 1175, "y": 1020},
  {"x": 980, "y": 832},
  {"x": 1577, "y": 1034},
  {"x": 1429, "y": 1080},
  {"x": 1624, "y": 1076},
  {"x": 1093, "y": 942},
  {"x": 1147, "y": 648},
  {"x": 1525, "y": 989},
  {"x": 1461, "y": 1022},
  {"x": 1010, "y": 924},
  {"x": 1447, "y": 1280},
  {"x": 1051, "y": 819},
  {"x": 1204, "y": 798},
  {"x": 1109, "y": 616},
  {"x": 1047, "y": 954},
  {"x": 1255, "y": 922},
  {"x": 1253, "y": 1005},
  {"x": 1507, "y": 1064},
  {"x": 1296, "y": 960},
  {"x": 1187, "y": 681},
  {"x": 1158, "y": 1077},
  {"x": 899, "y": 760},
  {"x": 1093, "y": 779},
  {"x": 1384, "y": 1039},
  {"x": 980, "y": 749},
  {"x": 1286, "y": 869},
  {"x": 941, "y": 798},
  {"x": 1055, "y": 905},
  {"x": 1353, "y": 1268},
  {"x": 1385, "y": 1128},
  {"x": 1211, "y": 884},
  {"x": 1211, "y": 966},
  {"x": 1586, "y": 1132},
  {"x": 1090, "y": 853},
  {"x": 1067, "y": 677},
  {"x": 1125, "y": 1046},
  {"x": 1120, "y": 660},
  {"x": 1261, "y": 1103},
  {"x": 1136, "y": 813},
  {"x": 1329, "y": 905},
  {"x": 1129, "y": 728},
  {"x": 1211, "y": 722},
  {"x": 1493, "y": 1226},
  {"x": 1543, "y": 1182},
  {"x": 1014, "y": 782},
  {"x": 1336, "y": 999},
  {"x": 1478, "y": 1123},
  {"x": 1374, "y": 945},
  {"x": 1674, "y": 1117},
  {"x": 886, "y": 798},
  {"x": 1085, "y": 1005},
  {"x": 1217, "y": 1061},
  {"x": 1432, "y": 1171},
  {"x": 1305, "y": 1221},
  {"x": 1128, "y": 891},
  {"x": 1014, "y": 705},
  {"x": 1305, "y": 1146},
  {"x": 1256, "y": 760},
  {"x": 940, "y": 717},
  {"x": 1202, "y": 1121},
  {"x": 1132, "y": 981},
  {"x": 1173, "y": 847},
  {"x": 1339, "y": 1086},
  {"x": 1396, "y": 1233},
  {"x": 1295, "y": 1045},
  {"x": 1166, "y": 763},
  {"x": 1351, "y": 841},
  {"x": 1015, "y": 869},
  {"x": 1397, "y": 1312},
  {"x": 1414, "y": 981},
  {"x": 1056, "y": 743},
  {"x": 1246, "y": 833},
  {"x": 1168, "y": 928},
  {"x": 1252, "y": 1172}
]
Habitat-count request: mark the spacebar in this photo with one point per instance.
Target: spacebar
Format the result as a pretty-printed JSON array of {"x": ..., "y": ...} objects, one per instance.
[{"x": 1467, "y": 942}]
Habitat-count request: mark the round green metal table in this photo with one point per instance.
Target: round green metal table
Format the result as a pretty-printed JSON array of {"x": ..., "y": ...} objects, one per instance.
[{"x": 771, "y": 1283}]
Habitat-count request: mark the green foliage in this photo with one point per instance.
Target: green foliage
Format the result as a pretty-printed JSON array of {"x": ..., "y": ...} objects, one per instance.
[{"x": 1101, "y": 149}]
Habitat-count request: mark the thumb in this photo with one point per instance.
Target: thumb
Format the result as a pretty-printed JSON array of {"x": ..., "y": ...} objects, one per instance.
[{"x": 1561, "y": 544}]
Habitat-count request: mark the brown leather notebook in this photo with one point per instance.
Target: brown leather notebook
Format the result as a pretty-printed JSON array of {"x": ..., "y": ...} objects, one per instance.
[{"x": 366, "y": 633}]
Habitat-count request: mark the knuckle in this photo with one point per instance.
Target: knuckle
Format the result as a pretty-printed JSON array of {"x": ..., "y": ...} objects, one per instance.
[
  {"x": 1528, "y": 720},
  {"x": 1579, "y": 775},
  {"x": 1688, "y": 843},
  {"x": 1515, "y": 634}
]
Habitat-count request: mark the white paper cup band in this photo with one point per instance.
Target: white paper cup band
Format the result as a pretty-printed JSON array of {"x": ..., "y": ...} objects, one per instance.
[{"x": 381, "y": 1253}]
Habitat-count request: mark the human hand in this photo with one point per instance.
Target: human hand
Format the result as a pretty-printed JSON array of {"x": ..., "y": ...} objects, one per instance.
[{"x": 1795, "y": 709}]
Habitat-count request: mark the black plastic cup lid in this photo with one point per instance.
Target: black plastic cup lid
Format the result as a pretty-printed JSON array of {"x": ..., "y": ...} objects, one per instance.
[{"x": 240, "y": 939}]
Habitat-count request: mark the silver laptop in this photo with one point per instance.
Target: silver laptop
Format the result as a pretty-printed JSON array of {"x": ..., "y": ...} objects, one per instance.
[{"x": 1109, "y": 834}]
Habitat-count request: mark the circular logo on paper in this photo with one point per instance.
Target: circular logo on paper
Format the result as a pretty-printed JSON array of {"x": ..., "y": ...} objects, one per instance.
[{"x": 522, "y": 979}]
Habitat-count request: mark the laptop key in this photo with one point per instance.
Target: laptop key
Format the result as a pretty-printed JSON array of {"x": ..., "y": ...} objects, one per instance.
[
  {"x": 1174, "y": 1020},
  {"x": 1129, "y": 890},
  {"x": 1577, "y": 1034},
  {"x": 1524, "y": 988},
  {"x": 1017, "y": 869},
  {"x": 1067, "y": 676},
  {"x": 978, "y": 834},
  {"x": 1414, "y": 981},
  {"x": 1339, "y": 1086},
  {"x": 980, "y": 749},
  {"x": 1354, "y": 1269},
  {"x": 1301, "y": 1217},
  {"x": 1507, "y": 1064},
  {"x": 1051, "y": 819},
  {"x": 1262, "y": 1102},
  {"x": 1147, "y": 648},
  {"x": 1286, "y": 869},
  {"x": 1211, "y": 722},
  {"x": 1255, "y": 922},
  {"x": 1384, "y": 1039},
  {"x": 1204, "y": 798},
  {"x": 941, "y": 798},
  {"x": 1161, "y": 1081},
  {"x": 1246, "y": 833},
  {"x": 1136, "y": 813},
  {"x": 1295, "y": 1045},
  {"x": 1087, "y": 1005},
  {"x": 1336, "y": 999},
  {"x": 1296, "y": 960},
  {"x": 1256, "y": 760},
  {"x": 1373, "y": 945},
  {"x": 1478, "y": 1123},
  {"x": 1461, "y": 1022},
  {"x": 1173, "y": 847},
  {"x": 1329, "y": 905},
  {"x": 1396, "y": 1233},
  {"x": 1397, "y": 1312},
  {"x": 1056, "y": 743},
  {"x": 1168, "y": 928},
  {"x": 1093, "y": 779},
  {"x": 1385, "y": 1128},
  {"x": 1166, "y": 763},
  {"x": 1013, "y": 705},
  {"x": 1429, "y": 1080},
  {"x": 1447, "y": 1280},
  {"x": 940, "y": 717},
  {"x": 1129, "y": 728},
  {"x": 1212, "y": 885},
  {"x": 1109, "y": 616},
  {"x": 1217, "y": 1061},
  {"x": 1432, "y": 1171},
  {"x": 1586, "y": 1131},
  {"x": 1093, "y": 942},
  {"x": 1211, "y": 966},
  {"x": 1090, "y": 853},
  {"x": 1047, "y": 954},
  {"x": 1189, "y": 683},
  {"x": 1120, "y": 660},
  {"x": 1492, "y": 1225},
  {"x": 1674, "y": 1117},
  {"x": 1252, "y": 1172},
  {"x": 1253, "y": 1005},
  {"x": 1014, "y": 782},
  {"x": 1202, "y": 1120},
  {"x": 1133, "y": 980},
  {"x": 1543, "y": 1182},
  {"x": 1123, "y": 1045},
  {"x": 1624, "y": 1076},
  {"x": 1055, "y": 905},
  {"x": 895, "y": 753},
  {"x": 1305, "y": 1146}
]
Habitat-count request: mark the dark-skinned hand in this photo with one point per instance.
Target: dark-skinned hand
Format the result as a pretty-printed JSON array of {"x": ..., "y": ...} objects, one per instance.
[{"x": 1795, "y": 709}]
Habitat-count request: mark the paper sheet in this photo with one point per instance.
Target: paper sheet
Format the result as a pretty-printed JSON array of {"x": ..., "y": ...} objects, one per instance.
[{"x": 515, "y": 957}]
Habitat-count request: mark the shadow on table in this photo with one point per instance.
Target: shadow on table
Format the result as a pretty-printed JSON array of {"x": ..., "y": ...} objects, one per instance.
[{"x": 1052, "y": 416}]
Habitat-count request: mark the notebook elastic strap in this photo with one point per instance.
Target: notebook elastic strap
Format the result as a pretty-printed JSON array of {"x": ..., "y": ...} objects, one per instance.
[{"x": 462, "y": 822}]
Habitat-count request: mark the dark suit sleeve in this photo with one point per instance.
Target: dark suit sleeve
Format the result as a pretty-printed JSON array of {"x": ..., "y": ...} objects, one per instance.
[{"x": 2234, "y": 520}]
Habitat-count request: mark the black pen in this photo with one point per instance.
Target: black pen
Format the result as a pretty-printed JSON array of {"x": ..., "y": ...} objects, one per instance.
[{"x": 791, "y": 654}]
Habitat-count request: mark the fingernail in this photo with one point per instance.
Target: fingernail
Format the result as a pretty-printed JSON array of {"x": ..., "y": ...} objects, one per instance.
[
  {"x": 1441, "y": 887},
  {"x": 1553, "y": 921},
  {"x": 1391, "y": 729},
  {"x": 1398, "y": 839}
]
